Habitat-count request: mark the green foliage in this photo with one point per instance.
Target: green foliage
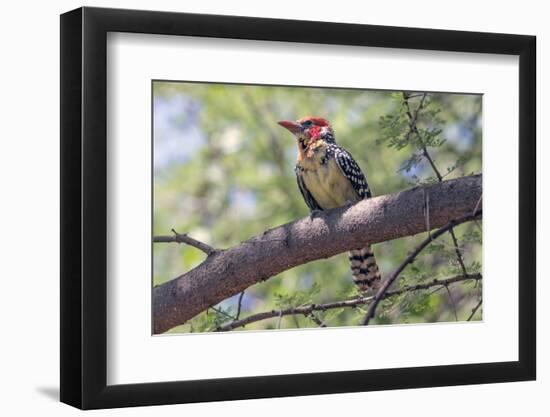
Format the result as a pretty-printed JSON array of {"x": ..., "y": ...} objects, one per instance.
[
  {"x": 223, "y": 172},
  {"x": 297, "y": 298}
]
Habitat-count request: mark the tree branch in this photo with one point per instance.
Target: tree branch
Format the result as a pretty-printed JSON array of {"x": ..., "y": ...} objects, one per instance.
[
  {"x": 184, "y": 238},
  {"x": 474, "y": 310},
  {"x": 239, "y": 305},
  {"x": 317, "y": 320},
  {"x": 409, "y": 259},
  {"x": 308, "y": 310},
  {"x": 414, "y": 129},
  {"x": 228, "y": 272},
  {"x": 451, "y": 299},
  {"x": 457, "y": 251}
]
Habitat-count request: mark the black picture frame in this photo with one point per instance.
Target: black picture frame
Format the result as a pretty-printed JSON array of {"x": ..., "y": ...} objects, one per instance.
[{"x": 84, "y": 207}]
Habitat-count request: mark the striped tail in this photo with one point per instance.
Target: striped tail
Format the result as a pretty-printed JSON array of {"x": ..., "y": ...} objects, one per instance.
[{"x": 364, "y": 269}]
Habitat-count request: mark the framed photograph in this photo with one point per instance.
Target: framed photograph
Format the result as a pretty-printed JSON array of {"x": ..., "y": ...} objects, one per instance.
[{"x": 257, "y": 208}]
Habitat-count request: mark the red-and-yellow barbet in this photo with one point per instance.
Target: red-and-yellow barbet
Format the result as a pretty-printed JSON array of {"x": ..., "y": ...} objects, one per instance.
[{"x": 329, "y": 177}]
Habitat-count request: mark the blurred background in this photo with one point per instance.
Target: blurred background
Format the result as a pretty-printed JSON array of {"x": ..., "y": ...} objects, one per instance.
[{"x": 224, "y": 171}]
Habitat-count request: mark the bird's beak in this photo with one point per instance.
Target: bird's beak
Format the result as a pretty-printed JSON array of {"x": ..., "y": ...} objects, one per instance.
[{"x": 291, "y": 126}]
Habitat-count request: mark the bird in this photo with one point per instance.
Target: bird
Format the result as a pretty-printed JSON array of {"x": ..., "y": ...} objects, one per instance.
[{"x": 329, "y": 177}]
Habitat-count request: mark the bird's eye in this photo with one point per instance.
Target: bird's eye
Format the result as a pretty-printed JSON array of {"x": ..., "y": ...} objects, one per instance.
[{"x": 307, "y": 123}]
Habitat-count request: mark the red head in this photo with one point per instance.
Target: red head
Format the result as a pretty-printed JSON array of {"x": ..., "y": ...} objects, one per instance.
[{"x": 309, "y": 128}]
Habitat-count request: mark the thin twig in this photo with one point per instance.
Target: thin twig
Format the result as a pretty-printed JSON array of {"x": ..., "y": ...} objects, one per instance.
[
  {"x": 303, "y": 310},
  {"x": 316, "y": 320},
  {"x": 351, "y": 303},
  {"x": 427, "y": 209},
  {"x": 412, "y": 256},
  {"x": 188, "y": 240},
  {"x": 280, "y": 319},
  {"x": 451, "y": 246},
  {"x": 414, "y": 129},
  {"x": 435, "y": 282},
  {"x": 474, "y": 310},
  {"x": 452, "y": 301},
  {"x": 478, "y": 203},
  {"x": 457, "y": 251},
  {"x": 475, "y": 209},
  {"x": 239, "y": 305},
  {"x": 220, "y": 311},
  {"x": 436, "y": 290}
]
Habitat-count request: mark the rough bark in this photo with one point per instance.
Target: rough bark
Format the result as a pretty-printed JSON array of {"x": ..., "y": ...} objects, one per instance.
[{"x": 227, "y": 272}]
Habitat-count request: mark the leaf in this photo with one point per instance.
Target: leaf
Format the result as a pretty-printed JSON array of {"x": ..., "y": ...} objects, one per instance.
[{"x": 330, "y": 315}]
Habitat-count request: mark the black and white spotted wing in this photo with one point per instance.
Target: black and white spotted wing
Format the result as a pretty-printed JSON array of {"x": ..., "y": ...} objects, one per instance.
[
  {"x": 308, "y": 198},
  {"x": 351, "y": 170}
]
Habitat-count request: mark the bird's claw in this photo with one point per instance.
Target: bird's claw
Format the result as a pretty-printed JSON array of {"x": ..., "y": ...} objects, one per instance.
[{"x": 314, "y": 213}]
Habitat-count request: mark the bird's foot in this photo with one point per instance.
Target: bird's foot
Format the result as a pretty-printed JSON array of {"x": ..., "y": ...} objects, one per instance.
[{"x": 315, "y": 213}]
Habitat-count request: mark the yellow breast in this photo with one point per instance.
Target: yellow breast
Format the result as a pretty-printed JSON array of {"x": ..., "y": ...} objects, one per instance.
[{"x": 325, "y": 181}]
